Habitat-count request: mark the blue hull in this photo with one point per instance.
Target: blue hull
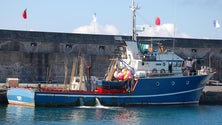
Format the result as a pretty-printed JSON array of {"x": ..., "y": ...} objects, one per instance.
[
  {"x": 152, "y": 91},
  {"x": 20, "y": 96}
]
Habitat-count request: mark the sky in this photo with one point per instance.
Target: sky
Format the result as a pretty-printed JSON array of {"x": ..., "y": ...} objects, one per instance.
[{"x": 179, "y": 18}]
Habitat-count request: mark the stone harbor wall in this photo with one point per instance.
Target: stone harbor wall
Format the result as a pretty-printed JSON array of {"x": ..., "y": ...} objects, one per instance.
[{"x": 40, "y": 56}]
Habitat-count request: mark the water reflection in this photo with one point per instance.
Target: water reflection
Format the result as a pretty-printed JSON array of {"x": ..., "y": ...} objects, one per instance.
[
  {"x": 83, "y": 115},
  {"x": 127, "y": 116},
  {"x": 17, "y": 114},
  {"x": 93, "y": 115}
]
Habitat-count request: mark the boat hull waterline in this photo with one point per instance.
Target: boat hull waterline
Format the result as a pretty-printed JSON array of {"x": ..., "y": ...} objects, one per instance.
[{"x": 153, "y": 91}]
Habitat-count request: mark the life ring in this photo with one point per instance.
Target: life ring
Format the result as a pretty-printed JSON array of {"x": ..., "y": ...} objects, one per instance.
[{"x": 162, "y": 71}]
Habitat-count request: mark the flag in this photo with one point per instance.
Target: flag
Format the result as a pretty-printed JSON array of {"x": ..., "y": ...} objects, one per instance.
[
  {"x": 24, "y": 14},
  {"x": 157, "y": 21},
  {"x": 216, "y": 24}
]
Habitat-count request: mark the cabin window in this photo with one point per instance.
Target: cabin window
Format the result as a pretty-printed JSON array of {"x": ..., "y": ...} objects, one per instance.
[
  {"x": 175, "y": 64},
  {"x": 170, "y": 68},
  {"x": 158, "y": 64},
  {"x": 179, "y": 64}
]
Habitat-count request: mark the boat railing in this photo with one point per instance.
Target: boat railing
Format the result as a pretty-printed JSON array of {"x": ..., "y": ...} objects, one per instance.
[{"x": 161, "y": 73}]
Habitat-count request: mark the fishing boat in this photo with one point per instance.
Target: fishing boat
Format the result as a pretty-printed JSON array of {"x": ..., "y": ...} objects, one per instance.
[{"x": 141, "y": 75}]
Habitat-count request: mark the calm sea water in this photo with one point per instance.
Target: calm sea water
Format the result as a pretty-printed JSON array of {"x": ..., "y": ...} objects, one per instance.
[{"x": 153, "y": 115}]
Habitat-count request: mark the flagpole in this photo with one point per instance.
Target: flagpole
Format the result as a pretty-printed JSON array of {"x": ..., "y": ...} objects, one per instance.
[
  {"x": 26, "y": 25},
  {"x": 26, "y": 20},
  {"x": 212, "y": 33}
]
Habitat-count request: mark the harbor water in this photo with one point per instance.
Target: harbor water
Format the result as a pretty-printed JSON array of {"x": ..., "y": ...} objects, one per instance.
[{"x": 153, "y": 115}]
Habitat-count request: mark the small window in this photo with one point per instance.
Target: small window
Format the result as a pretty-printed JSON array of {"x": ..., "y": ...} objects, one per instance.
[
  {"x": 33, "y": 44},
  {"x": 158, "y": 64},
  {"x": 68, "y": 46},
  {"x": 194, "y": 50},
  {"x": 102, "y": 48}
]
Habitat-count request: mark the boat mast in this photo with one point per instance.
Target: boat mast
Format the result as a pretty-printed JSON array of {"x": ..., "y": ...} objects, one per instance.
[{"x": 134, "y": 8}]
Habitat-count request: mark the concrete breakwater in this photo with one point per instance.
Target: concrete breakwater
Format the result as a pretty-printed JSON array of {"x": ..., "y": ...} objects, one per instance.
[{"x": 211, "y": 95}]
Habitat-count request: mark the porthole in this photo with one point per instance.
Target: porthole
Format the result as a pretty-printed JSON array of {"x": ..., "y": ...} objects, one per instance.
[
  {"x": 157, "y": 84},
  {"x": 173, "y": 83},
  {"x": 187, "y": 82}
]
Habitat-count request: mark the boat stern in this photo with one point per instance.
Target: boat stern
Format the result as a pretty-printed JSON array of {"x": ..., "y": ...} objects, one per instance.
[{"x": 21, "y": 96}]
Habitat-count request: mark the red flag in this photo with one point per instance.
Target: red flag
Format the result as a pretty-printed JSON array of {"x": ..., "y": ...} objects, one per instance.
[
  {"x": 157, "y": 21},
  {"x": 24, "y": 14}
]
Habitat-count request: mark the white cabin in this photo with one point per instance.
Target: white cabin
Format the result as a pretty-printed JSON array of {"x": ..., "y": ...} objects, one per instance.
[{"x": 154, "y": 63}]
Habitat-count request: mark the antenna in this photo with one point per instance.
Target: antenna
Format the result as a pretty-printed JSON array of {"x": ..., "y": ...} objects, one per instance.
[
  {"x": 134, "y": 8},
  {"x": 173, "y": 37}
]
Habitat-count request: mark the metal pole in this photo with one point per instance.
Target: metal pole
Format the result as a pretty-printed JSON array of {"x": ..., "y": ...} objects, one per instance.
[{"x": 134, "y": 8}]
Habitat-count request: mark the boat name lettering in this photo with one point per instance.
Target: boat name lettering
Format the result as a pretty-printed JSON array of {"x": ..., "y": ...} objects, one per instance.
[{"x": 19, "y": 98}]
